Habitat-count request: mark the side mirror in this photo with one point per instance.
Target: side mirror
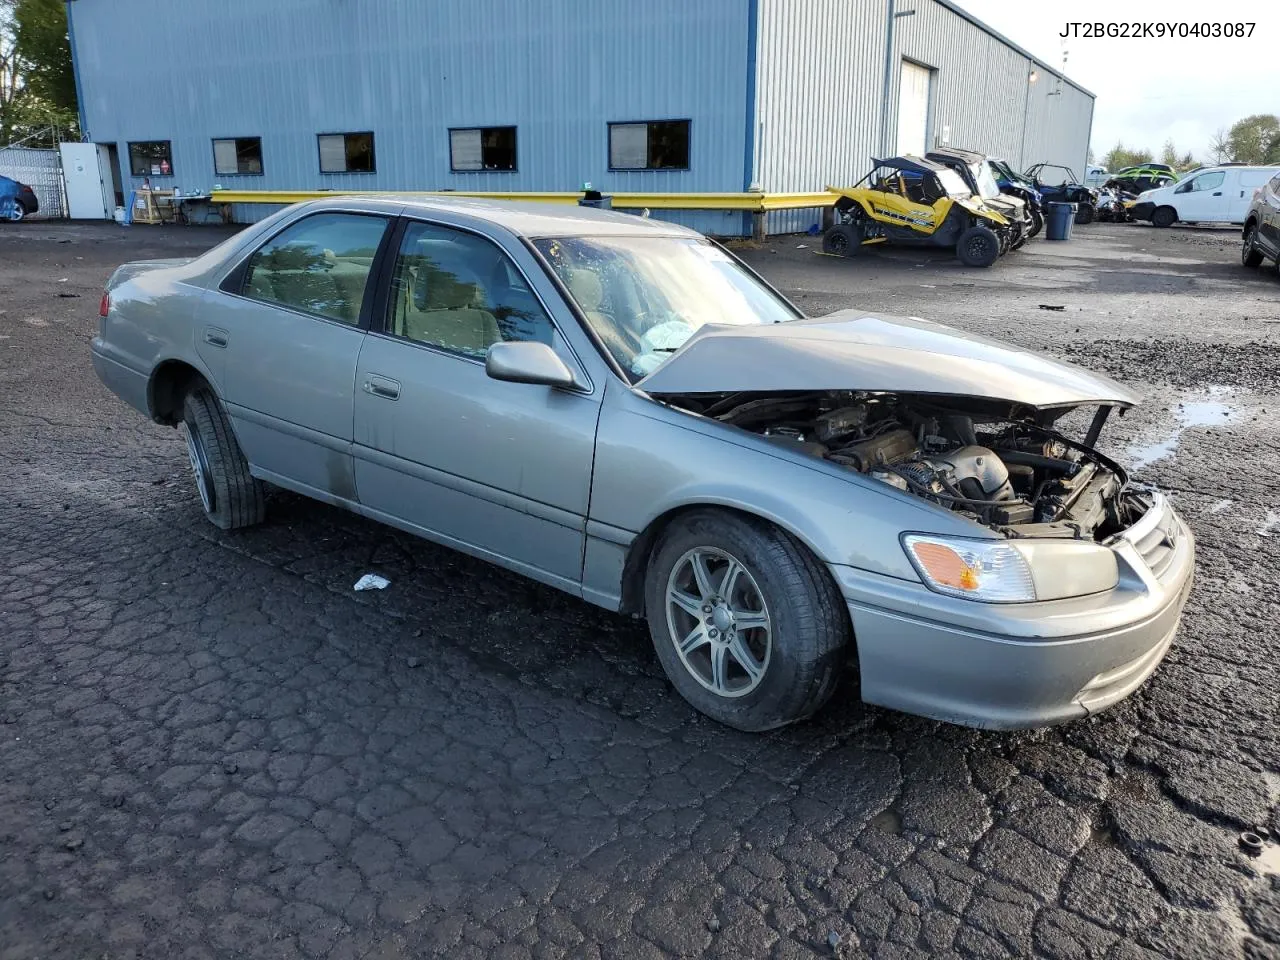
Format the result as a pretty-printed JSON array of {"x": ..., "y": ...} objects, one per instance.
[{"x": 528, "y": 362}]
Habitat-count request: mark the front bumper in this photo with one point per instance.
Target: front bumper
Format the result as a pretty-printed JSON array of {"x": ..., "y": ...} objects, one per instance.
[
  {"x": 1006, "y": 666},
  {"x": 1143, "y": 210}
]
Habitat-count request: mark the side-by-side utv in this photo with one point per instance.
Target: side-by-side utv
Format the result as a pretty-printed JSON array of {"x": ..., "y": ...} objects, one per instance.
[
  {"x": 916, "y": 202},
  {"x": 1014, "y": 184},
  {"x": 976, "y": 174},
  {"x": 1059, "y": 184}
]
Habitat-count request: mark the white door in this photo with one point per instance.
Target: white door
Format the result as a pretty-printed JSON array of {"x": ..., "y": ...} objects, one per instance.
[
  {"x": 1240, "y": 192},
  {"x": 83, "y": 179},
  {"x": 1202, "y": 198},
  {"x": 913, "y": 109}
]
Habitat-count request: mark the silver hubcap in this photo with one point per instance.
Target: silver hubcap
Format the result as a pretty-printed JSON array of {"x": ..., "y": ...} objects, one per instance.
[
  {"x": 200, "y": 467},
  {"x": 718, "y": 622}
]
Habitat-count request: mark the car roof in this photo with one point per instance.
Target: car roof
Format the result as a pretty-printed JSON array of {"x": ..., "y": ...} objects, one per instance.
[{"x": 527, "y": 219}]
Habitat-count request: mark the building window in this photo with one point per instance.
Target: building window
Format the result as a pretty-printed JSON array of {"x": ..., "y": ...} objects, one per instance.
[
  {"x": 482, "y": 148},
  {"x": 242, "y": 155},
  {"x": 151, "y": 158},
  {"x": 650, "y": 145},
  {"x": 346, "y": 153}
]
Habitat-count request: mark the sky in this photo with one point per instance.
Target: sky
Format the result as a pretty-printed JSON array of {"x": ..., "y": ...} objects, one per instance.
[{"x": 1151, "y": 90}]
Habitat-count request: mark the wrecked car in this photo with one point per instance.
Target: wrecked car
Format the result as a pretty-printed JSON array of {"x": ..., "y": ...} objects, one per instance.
[{"x": 621, "y": 409}]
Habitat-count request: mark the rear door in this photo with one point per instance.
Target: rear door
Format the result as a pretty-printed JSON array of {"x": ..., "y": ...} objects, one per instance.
[
  {"x": 286, "y": 328},
  {"x": 1202, "y": 198}
]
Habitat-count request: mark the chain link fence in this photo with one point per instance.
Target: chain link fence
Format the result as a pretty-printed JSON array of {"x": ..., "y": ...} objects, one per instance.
[{"x": 41, "y": 170}]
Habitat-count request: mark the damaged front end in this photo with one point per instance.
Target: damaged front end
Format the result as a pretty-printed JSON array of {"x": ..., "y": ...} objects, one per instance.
[{"x": 1002, "y": 465}]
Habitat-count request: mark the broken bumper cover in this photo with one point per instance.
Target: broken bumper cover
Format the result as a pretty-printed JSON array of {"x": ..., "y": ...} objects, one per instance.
[
  {"x": 1143, "y": 210},
  {"x": 1007, "y": 666}
]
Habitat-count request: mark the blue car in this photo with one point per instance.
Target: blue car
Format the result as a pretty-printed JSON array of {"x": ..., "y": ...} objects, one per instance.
[{"x": 25, "y": 202}]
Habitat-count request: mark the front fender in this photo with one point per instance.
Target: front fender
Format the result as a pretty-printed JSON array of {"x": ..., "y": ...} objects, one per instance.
[{"x": 652, "y": 459}]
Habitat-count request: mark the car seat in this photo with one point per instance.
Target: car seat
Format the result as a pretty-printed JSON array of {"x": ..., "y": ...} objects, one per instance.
[{"x": 444, "y": 309}]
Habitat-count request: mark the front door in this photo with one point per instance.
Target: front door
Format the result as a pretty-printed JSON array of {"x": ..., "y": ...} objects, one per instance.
[
  {"x": 83, "y": 178},
  {"x": 1270, "y": 214},
  {"x": 286, "y": 327},
  {"x": 1201, "y": 198},
  {"x": 502, "y": 470}
]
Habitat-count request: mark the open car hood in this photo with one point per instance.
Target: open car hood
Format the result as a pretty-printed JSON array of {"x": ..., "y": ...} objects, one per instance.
[{"x": 850, "y": 350}]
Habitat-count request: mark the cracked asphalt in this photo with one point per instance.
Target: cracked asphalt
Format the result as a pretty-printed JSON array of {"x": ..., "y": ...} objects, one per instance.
[{"x": 210, "y": 746}]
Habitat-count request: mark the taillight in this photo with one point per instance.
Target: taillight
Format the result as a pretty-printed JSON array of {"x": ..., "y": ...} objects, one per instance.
[{"x": 104, "y": 306}]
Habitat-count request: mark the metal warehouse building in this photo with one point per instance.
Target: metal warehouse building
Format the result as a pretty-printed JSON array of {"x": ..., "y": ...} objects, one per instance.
[{"x": 670, "y": 96}]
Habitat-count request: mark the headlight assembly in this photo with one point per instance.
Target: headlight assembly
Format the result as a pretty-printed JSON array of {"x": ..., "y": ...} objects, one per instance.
[{"x": 1000, "y": 571}]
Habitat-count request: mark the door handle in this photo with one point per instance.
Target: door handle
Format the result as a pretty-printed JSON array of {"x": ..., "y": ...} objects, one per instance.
[
  {"x": 215, "y": 336},
  {"x": 1218, "y": 194},
  {"x": 383, "y": 387}
]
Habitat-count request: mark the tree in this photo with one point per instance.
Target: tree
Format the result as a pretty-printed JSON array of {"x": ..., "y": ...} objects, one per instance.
[
  {"x": 1120, "y": 156},
  {"x": 1187, "y": 161},
  {"x": 1169, "y": 154},
  {"x": 1255, "y": 139},
  {"x": 1219, "y": 148},
  {"x": 37, "y": 82}
]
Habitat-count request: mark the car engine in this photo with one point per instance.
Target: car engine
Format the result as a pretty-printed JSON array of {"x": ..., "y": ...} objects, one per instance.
[{"x": 1006, "y": 469}]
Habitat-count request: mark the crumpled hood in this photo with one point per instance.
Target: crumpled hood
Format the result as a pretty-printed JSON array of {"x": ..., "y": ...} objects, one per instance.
[{"x": 850, "y": 350}]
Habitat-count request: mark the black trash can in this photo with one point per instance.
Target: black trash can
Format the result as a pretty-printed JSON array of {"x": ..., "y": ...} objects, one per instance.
[
  {"x": 1058, "y": 220},
  {"x": 594, "y": 198}
]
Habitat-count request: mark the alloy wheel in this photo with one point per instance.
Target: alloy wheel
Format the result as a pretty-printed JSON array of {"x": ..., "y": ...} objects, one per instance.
[
  {"x": 200, "y": 468},
  {"x": 719, "y": 622}
]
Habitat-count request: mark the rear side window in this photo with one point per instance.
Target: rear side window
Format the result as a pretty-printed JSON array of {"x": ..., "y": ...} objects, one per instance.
[
  {"x": 319, "y": 265},
  {"x": 1275, "y": 184},
  {"x": 459, "y": 292}
]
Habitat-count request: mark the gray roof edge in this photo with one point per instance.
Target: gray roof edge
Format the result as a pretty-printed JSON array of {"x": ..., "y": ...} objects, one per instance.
[{"x": 959, "y": 11}]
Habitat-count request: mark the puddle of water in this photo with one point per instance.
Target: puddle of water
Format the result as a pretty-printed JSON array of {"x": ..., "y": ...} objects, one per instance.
[
  {"x": 1191, "y": 413},
  {"x": 888, "y": 821}
]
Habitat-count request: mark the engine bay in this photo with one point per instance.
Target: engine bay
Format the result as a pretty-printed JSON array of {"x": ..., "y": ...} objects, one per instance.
[{"x": 1007, "y": 469}]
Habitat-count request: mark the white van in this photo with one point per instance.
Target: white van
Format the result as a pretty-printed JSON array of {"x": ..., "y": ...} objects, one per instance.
[
  {"x": 1212, "y": 195},
  {"x": 1095, "y": 176}
]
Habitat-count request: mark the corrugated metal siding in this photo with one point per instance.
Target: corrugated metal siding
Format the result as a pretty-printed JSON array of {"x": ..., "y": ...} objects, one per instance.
[
  {"x": 287, "y": 70},
  {"x": 821, "y": 68}
]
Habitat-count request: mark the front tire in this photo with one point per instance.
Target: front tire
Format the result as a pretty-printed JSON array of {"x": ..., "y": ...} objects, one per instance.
[
  {"x": 230, "y": 495},
  {"x": 843, "y": 240},
  {"x": 745, "y": 621},
  {"x": 1249, "y": 253},
  {"x": 1164, "y": 217},
  {"x": 978, "y": 247}
]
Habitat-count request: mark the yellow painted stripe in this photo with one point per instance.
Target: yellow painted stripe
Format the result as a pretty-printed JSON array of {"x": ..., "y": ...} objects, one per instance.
[{"x": 753, "y": 202}]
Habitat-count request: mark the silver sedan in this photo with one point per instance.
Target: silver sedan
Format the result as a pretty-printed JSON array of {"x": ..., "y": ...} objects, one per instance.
[{"x": 620, "y": 408}]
